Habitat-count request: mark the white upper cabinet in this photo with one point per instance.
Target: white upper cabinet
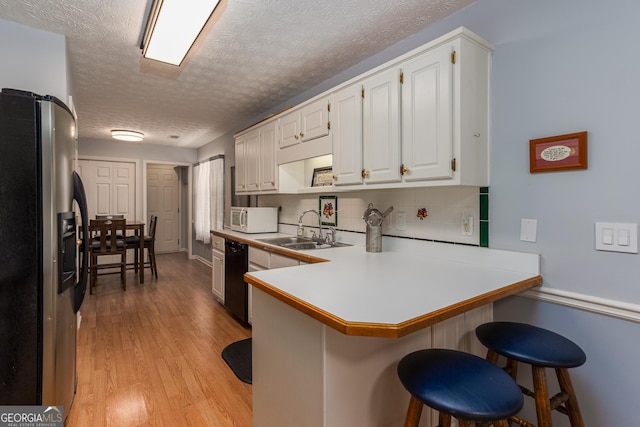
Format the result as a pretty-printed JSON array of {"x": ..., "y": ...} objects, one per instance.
[
  {"x": 290, "y": 129},
  {"x": 381, "y": 127},
  {"x": 314, "y": 120},
  {"x": 427, "y": 130},
  {"x": 268, "y": 165},
  {"x": 421, "y": 119},
  {"x": 241, "y": 168},
  {"x": 445, "y": 114},
  {"x": 304, "y": 132},
  {"x": 252, "y": 158},
  {"x": 256, "y": 168},
  {"x": 347, "y": 135}
]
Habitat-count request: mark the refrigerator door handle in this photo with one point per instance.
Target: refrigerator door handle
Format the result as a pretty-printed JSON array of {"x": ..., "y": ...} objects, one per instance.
[{"x": 80, "y": 197}]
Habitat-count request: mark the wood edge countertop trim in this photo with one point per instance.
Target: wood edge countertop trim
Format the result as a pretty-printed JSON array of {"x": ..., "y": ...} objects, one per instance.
[{"x": 383, "y": 330}]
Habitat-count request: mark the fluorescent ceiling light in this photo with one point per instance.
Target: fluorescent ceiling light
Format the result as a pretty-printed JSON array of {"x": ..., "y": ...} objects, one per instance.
[
  {"x": 173, "y": 27},
  {"x": 127, "y": 135}
]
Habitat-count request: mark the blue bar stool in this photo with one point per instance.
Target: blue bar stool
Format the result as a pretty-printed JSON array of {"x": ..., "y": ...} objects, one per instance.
[
  {"x": 458, "y": 385},
  {"x": 541, "y": 349}
]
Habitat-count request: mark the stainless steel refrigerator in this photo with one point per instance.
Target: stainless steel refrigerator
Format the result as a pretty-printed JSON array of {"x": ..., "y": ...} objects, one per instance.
[{"x": 43, "y": 266}]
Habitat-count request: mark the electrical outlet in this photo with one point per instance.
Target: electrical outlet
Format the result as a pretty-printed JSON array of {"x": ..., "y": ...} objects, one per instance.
[
  {"x": 467, "y": 226},
  {"x": 401, "y": 221}
]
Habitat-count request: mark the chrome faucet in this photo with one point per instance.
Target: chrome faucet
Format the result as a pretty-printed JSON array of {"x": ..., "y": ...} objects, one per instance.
[{"x": 319, "y": 222}]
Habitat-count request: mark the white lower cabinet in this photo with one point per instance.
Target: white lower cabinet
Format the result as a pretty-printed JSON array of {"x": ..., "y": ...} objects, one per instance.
[
  {"x": 260, "y": 259},
  {"x": 217, "y": 269}
]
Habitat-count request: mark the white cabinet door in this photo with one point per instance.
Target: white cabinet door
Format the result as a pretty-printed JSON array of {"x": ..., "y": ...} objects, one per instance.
[
  {"x": 241, "y": 167},
  {"x": 268, "y": 164},
  {"x": 347, "y": 135},
  {"x": 217, "y": 271},
  {"x": 253, "y": 160},
  {"x": 427, "y": 128},
  {"x": 290, "y": 129},
  {"x": 314, "y": 119},
  {"x": 218, "y": 275},
  {"x": 381, "y": 127}
]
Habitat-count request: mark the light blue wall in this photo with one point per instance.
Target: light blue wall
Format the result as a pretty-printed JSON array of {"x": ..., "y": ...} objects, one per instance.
[
  {"x": 33, "y": 60},
  {"x": 562, "y": 67}
]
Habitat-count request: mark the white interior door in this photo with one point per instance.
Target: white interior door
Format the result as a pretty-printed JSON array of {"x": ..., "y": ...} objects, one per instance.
[
  {"x": 163, "y": 200},
  {"x": 110, "y": 188}
]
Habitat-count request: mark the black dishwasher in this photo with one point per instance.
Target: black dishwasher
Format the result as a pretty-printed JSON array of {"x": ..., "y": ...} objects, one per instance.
[{"x": 236, "y": 263}]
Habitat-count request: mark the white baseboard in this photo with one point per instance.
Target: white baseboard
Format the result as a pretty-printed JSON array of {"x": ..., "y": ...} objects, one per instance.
[
  {"x": 607, "y": 307},
  {"x": 202, "y": 260}
]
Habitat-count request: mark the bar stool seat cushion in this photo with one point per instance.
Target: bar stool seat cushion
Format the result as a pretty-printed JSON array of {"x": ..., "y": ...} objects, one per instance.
[
  {"x": 530, "y": 344},
  {"x": 460, "y": 384}
]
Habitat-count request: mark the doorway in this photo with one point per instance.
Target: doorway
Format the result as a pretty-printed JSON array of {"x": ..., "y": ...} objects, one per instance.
[{"x": 164, "y": 201}]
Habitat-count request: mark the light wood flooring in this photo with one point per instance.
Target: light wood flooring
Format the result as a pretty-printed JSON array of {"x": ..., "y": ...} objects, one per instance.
[{"x": 150, "y": 355}]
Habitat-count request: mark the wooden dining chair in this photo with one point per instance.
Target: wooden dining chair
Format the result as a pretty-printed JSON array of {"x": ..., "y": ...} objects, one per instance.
[
  {"x": 105, "y": 241},
  {"x": 110, "y": 216},
  {"x": 133, "y": 242}
]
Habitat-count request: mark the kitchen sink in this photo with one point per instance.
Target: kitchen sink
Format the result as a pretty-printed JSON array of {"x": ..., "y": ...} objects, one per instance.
[{"x": 301, "y": 243}]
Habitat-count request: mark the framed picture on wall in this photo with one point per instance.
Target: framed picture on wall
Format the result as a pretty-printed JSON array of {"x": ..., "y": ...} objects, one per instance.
[
  {"x": 558, "y": 153},
  {"x": 322, "y": 177},
  {"x": 329, "y": 210}
]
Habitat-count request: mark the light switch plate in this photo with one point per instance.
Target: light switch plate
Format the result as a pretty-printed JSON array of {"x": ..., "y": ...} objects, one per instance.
[
  {"x": 528, "y": 230},
  {"x": 617, "y": 237}
]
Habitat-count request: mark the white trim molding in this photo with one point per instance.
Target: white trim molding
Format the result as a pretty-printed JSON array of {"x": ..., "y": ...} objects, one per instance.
[{"x": 607, "y": 307}]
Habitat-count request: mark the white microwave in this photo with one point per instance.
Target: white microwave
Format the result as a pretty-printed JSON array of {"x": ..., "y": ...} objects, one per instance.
[{"x": 254, "y": 220}]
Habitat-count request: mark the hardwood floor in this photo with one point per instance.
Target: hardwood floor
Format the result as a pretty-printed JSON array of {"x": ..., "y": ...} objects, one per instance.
[{"x": 150, "y": 355}]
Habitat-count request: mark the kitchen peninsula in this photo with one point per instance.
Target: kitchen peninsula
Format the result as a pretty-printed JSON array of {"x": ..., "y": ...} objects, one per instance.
[{"x": 327, "y": 335}]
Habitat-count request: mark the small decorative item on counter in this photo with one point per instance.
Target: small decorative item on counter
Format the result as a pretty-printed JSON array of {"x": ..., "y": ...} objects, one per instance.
[
  {"x": 374, "y": 218},
  {"x": 422, "y": 213}
]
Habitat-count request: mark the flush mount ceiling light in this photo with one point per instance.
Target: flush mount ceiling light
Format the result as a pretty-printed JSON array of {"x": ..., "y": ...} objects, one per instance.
[
  {"x": 173, "y": 27},
  {"x": 127, "y": 135}
]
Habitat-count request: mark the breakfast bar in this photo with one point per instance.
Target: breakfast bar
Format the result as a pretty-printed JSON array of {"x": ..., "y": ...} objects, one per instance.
[{"x": 327, "y": 336}]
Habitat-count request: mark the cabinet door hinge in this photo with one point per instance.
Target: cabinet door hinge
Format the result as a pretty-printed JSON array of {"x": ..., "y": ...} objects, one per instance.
[
  {"x": 363, "y": 92},
  {"x": 453, "y": 57},
  {"x": 453, "y": 164},
  {"x": 401, "y": 78},
  {"x": 329, "y": 107},
  {"x": 329, "y": 125}
]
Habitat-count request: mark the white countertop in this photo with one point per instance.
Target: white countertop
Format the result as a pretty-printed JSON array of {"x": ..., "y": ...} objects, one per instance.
[{"x": 409, "y": 280}]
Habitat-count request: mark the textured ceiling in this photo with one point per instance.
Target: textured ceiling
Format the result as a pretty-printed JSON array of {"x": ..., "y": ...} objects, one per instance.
[{"x": 258, "y": 55}]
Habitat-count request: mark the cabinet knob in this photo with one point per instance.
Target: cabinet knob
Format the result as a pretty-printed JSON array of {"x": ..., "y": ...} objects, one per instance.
[
  {"x": 335, "y": 177},
  {"x": 295, "y": 136},
  {"x": 365, "y": 173},
  {"x": 477, "y": 135},
  {"x": 301, "y": 135},
  {"x": 404, "y": 170}
]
